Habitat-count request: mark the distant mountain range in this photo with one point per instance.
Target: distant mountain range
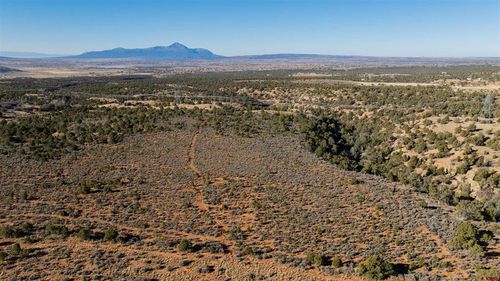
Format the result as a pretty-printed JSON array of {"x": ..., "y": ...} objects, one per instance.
[{"x": 176, "y": 51}]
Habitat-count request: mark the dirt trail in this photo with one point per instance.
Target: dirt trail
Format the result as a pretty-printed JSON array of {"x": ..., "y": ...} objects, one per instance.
[
  {"x": 221, "y": 218},
  {"x": 191, "y": 155},
  {"x": 198, "y": 185},
  {"x": 198, "y": 202}
]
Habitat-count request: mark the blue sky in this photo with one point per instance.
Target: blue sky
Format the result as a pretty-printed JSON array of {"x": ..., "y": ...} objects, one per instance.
[{"x": 235, "y": 27}]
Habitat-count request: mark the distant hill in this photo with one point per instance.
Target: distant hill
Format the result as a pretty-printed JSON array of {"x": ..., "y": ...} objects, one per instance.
[
  {"x": 176, "y": 51},
  {"x": 292, "y": 56},
  {"x": 366, "y": 59},
  {"x": 4, "y": 69},
  {"x": 27, "y": 55}
]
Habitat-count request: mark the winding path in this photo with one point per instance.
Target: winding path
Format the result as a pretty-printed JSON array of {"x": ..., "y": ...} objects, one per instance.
[
  {"x": 191, "y": 155},
  {"x": 197, "y": 185}
]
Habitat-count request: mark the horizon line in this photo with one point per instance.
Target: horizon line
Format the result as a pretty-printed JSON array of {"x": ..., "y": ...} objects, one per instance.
[{"x": 68, "y": 56}]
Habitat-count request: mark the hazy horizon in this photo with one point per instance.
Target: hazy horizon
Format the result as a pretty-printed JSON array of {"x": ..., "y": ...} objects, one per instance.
[
  {"x": 34, "y": 54},
  {"x": 231, "y": 28}
]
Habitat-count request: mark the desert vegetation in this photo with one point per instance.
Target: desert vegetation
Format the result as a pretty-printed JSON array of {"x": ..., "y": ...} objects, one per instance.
[{"x": 252, "y": 176}]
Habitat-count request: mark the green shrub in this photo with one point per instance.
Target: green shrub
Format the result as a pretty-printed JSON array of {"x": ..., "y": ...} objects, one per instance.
[
  {"x": 471, "y": 210},
  {"x": 483, "y": 273},
  {"x": 483, "y": 174},
  {"x": 467, "y": 238},
  {"x": 13, "y": 232},
  {"x": 247, "y": 251},
  {"x": 110, "y": 234},
  {"x": 477, "y": 250},
  {"x": 15, "y": 249},
  {"x": 354, "y": 180},
  {"x": 337, "y": 262},
  {"x": 375, "y": 267},
  {"x": 84, "y": 234},
  {"x": 184, "y": 246},
  {"x": 56, "y": 229},
  {"x": 235, "y": 233},
  {"x": 464, "y": 191},
  {"x": 492, "y": 212},
  {"x": 315, "y": 259},
  {"x": 417, "y": 263},
  {"x": 463, "y": 168},
  {"x": 494, "y": 144}
]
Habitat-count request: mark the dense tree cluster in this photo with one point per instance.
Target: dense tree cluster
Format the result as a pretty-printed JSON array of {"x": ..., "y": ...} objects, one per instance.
[{"x": 48, "y": 136}]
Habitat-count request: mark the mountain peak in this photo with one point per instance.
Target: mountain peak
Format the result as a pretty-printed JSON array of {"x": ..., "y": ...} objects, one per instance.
[
  {"x": 176, "y": 51},
  {"x": 178, "y": 45}
]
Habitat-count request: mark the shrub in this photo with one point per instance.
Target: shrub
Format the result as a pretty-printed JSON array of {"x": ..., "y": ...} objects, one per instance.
[
  {"x": 12, "y": 232},
  {"x": 354, "y": 180},
  {"x": 483, "y": 174},
  {"x": 235, "y": 233},
  {"x": 467, "y": 238},
  {"x": 84, "y": 234},
  {"x": 315, "y": 259},
  {"x": 471, "y": 210},
  {"x": 375, "y": 267},
  {"x": 87, "y": 186},
  {"x": 479, "y": 140},
  {"x": 492, "y": 212},
  {"x": 84, "y": 189},
  {"x": 494, "y": 144},
  {"x": 56, "y": 229},
  {"x": 417, "y": 263},
  {"x": 16, "y": 249},
  {"x": 7, "y": 231},
  {"x": 484, "y": 273},
  {"x": 477, "y": 250},
  {"x": 247, "y": 251},
  {"x": 463, "y": 168},
  {"x": 464, "y": 191},
  {"x": 337, "y": 262},
  {"x": 110, "y": 234},
  {"x": 24, "y": 195},
  {"x": 184, "y": 245},
  {"x": 26, "y": 228}
]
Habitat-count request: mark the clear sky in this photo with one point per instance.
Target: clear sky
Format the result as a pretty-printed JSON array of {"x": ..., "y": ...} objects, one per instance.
[{"x": 236, "y": 27}]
